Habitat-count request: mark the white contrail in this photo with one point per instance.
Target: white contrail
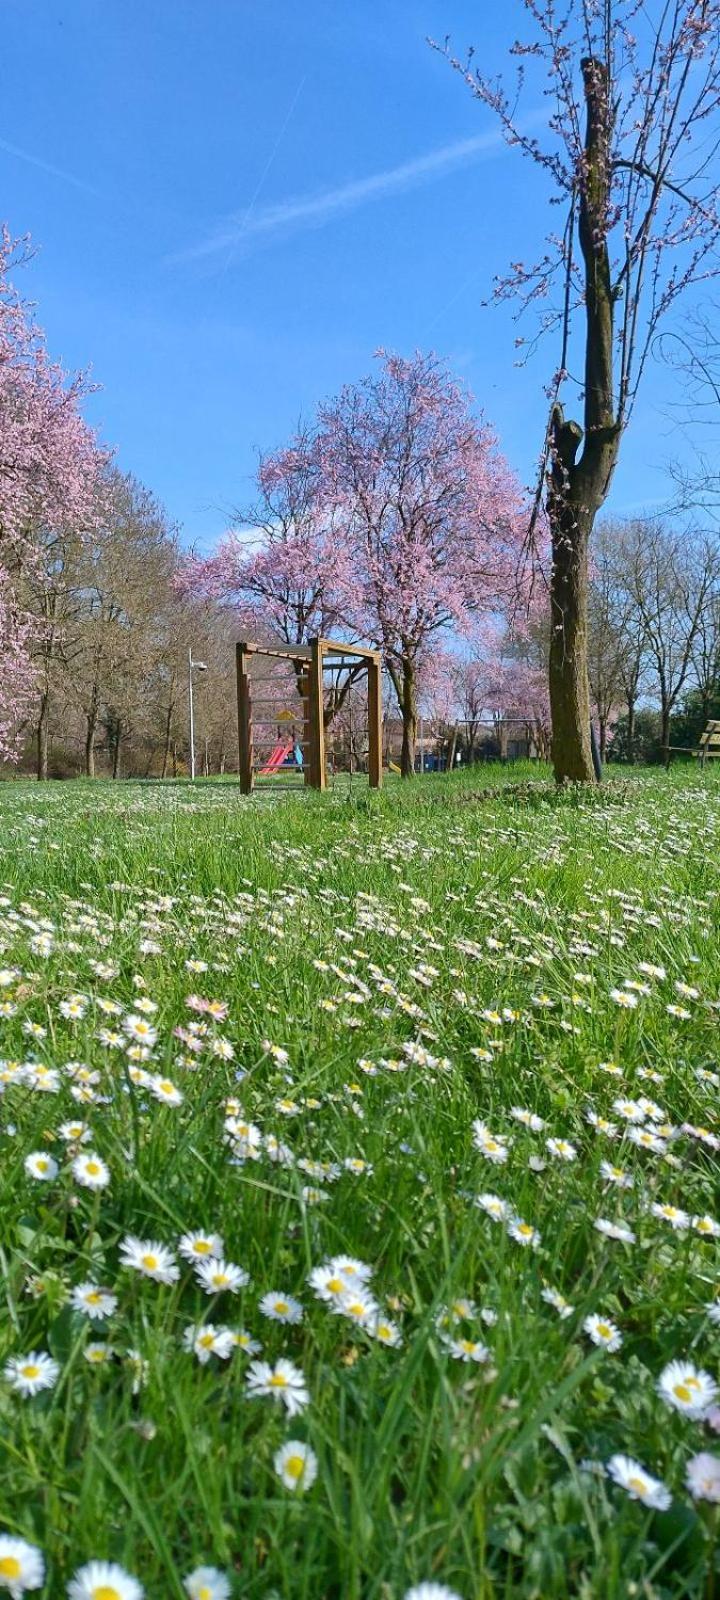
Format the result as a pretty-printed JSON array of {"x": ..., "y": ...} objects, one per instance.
[
  {"x": 47, "y": 166},
  {"x": 309, "y": 210}
]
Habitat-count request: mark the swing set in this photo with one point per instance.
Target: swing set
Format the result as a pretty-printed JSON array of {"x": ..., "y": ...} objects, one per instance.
[{"x": 301, "y": 737}]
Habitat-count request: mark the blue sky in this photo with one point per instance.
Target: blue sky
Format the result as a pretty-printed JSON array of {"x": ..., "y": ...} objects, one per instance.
[{"x": 237, "y": 201}]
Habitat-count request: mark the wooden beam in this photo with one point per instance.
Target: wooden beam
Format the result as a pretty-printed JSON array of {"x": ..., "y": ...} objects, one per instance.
[
  {"x": 318, "y": 777},
  {"x": 244, "y": 710},
  {"x": 374, "y": 723},
  {"x": 296, "y": 652}
]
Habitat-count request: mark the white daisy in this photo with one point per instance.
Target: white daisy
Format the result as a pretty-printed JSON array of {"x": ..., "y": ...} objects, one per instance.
[
  {"x": 29, "y": 1374},
  {"x": 614, "y": 1230},
  {"x": 22, "y": 1566},
  {"x": 328, "y": 1284},
  {"x": 523, "y": 1233},
  {"x": 603, "y": 1332},
  {"x": 41, "y": 1166},
  {"x": 296, "y": 1465},
  {"x": 207, "y": 1583},
  {"x": 495, "y": 1207},
  {"x": 385, "y": 1331},
  {"x": 561, "y": 1148},
  {"x": 104, "y": 1580},
  {"x": 220, "y": 1277},
  {"x": 639, "y": 1484},
  {"x": 90, "y": 1171},
  {"x": 431, "y": 1591},
  {"x": 208, "y": 1341},
  {"x": 93, "y": 1301},
  {"x": 284, "y": 1382},
  {"x": 152, "y": 1259},
  {"x": 198, "y": 1246},
  {"x": 686, "y": 1388},
  {"x": 703, "y": 1477},
  {"x": 358, "y": 1306},
  {"x": 281, "y": 1307}
]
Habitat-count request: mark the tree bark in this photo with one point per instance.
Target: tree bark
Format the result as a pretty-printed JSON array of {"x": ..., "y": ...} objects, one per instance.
[
  {"x": 90, "y": 732},
  {"x": 43, "y": 732},
  {"x": 665, "y": 732},
  {"x": 166, "y": 745},
  {"x": 116, "y": 751},
  {"x": 631, "y": 729},
  {"x": 577, "y": 489},
  {"x": 90, "y": 748},
  {"x": 409, "y": 719}
]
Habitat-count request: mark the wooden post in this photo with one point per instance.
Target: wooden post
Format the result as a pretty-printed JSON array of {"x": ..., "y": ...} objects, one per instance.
[
  {"x": 307, "y": 741},
  {"x": 318, "y": 776},
  {"x": 374, "y": 723},
  {"x": 244, "y": 710}
]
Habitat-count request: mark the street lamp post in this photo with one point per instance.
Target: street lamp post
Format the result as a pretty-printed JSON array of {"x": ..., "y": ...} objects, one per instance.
[{"x": 193, "y": 666}]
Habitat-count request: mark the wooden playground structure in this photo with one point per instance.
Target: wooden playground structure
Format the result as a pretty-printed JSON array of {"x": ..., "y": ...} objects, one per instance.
[{"x": 310, "y": 666}]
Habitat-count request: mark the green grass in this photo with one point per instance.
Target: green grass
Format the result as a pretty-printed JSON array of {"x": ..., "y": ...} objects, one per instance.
[{"x": 430, "y": 907}]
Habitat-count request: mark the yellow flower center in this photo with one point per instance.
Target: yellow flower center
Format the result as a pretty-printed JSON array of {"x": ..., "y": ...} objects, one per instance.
[
  {"x": 682, "y": 1392},
  {"x": 9, "y": 1567},
  {"x": 94, "y": 1298},
  {"x": 277, "y": 1381},
  {"x": 106, "y": 1591},
  {"x": 30, "y": 1371},
  {"x": 42, "y": 1164},
  {"x": 524, "y": 1228},
  {"x": 604, "y": 1331},
  {"x": 219, "y": 1280},
  {"x": 167, "y": 1088},
  {"x": 201, "y": 1247},
  {"x": 92, "y": 1168},
  {"x": 638, "y": 1484},
  {"x": 467, "y": 1345},
  {"x": 383, "y": 1331},
  {"x": 206, "y": 1340},
  {"x": 281, "y": 1306},
  {"x": 150, "y": 1262},
  {"x": 335, "y": 1285},
  {"x": 294, "y": 1467}
]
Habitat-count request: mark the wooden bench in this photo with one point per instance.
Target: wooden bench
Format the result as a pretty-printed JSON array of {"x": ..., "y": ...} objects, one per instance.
[
  {"x": 708, "y": 746},
  {"x": 709, "y": 742}
]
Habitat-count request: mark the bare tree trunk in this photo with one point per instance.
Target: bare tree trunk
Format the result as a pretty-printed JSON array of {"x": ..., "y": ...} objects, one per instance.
[
  {"x": 166, "y": 745},
  {"x": 665, "y": 731},
  {"x": 631, "y": 729},
  {"x": 43, "y": 732},
  {"x": 409, "y": 719},
  {"x": 577, "y": 489},
  {"x": 116, "y": 751},
  {"x": 602, "y": 724},
  {"x": 90, "y": 749},
  {"x": 90, "y": 732}
]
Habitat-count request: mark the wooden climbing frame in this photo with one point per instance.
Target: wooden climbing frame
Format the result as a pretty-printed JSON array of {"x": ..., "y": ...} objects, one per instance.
[{"x": 310, "y": 662}]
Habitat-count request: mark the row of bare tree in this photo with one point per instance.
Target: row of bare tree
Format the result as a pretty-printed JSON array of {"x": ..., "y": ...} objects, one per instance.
[
  {"x": 111, "y": 656},
  {"x": 654, "y": 622}
]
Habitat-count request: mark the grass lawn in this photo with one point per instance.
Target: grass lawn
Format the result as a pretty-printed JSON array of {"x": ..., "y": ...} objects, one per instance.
[{"x": 416, "y": 1093}]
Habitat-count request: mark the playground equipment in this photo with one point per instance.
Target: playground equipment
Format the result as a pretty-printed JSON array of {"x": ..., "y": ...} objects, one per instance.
[
  {"x": 309, "y": 667},
  {"x": 276, "y": 759}
]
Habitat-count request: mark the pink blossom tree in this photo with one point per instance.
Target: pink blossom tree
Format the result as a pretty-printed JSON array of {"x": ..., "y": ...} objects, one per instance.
[
  {"x": 629, "y": 156},
  {"x": 49, "y": 464},
  {"x": 431, "y": 513},
  {"x": 285, "y": 566}
]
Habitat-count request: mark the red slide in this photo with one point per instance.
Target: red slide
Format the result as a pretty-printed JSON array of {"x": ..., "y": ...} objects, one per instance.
[{"x": 276, "y": 759}]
